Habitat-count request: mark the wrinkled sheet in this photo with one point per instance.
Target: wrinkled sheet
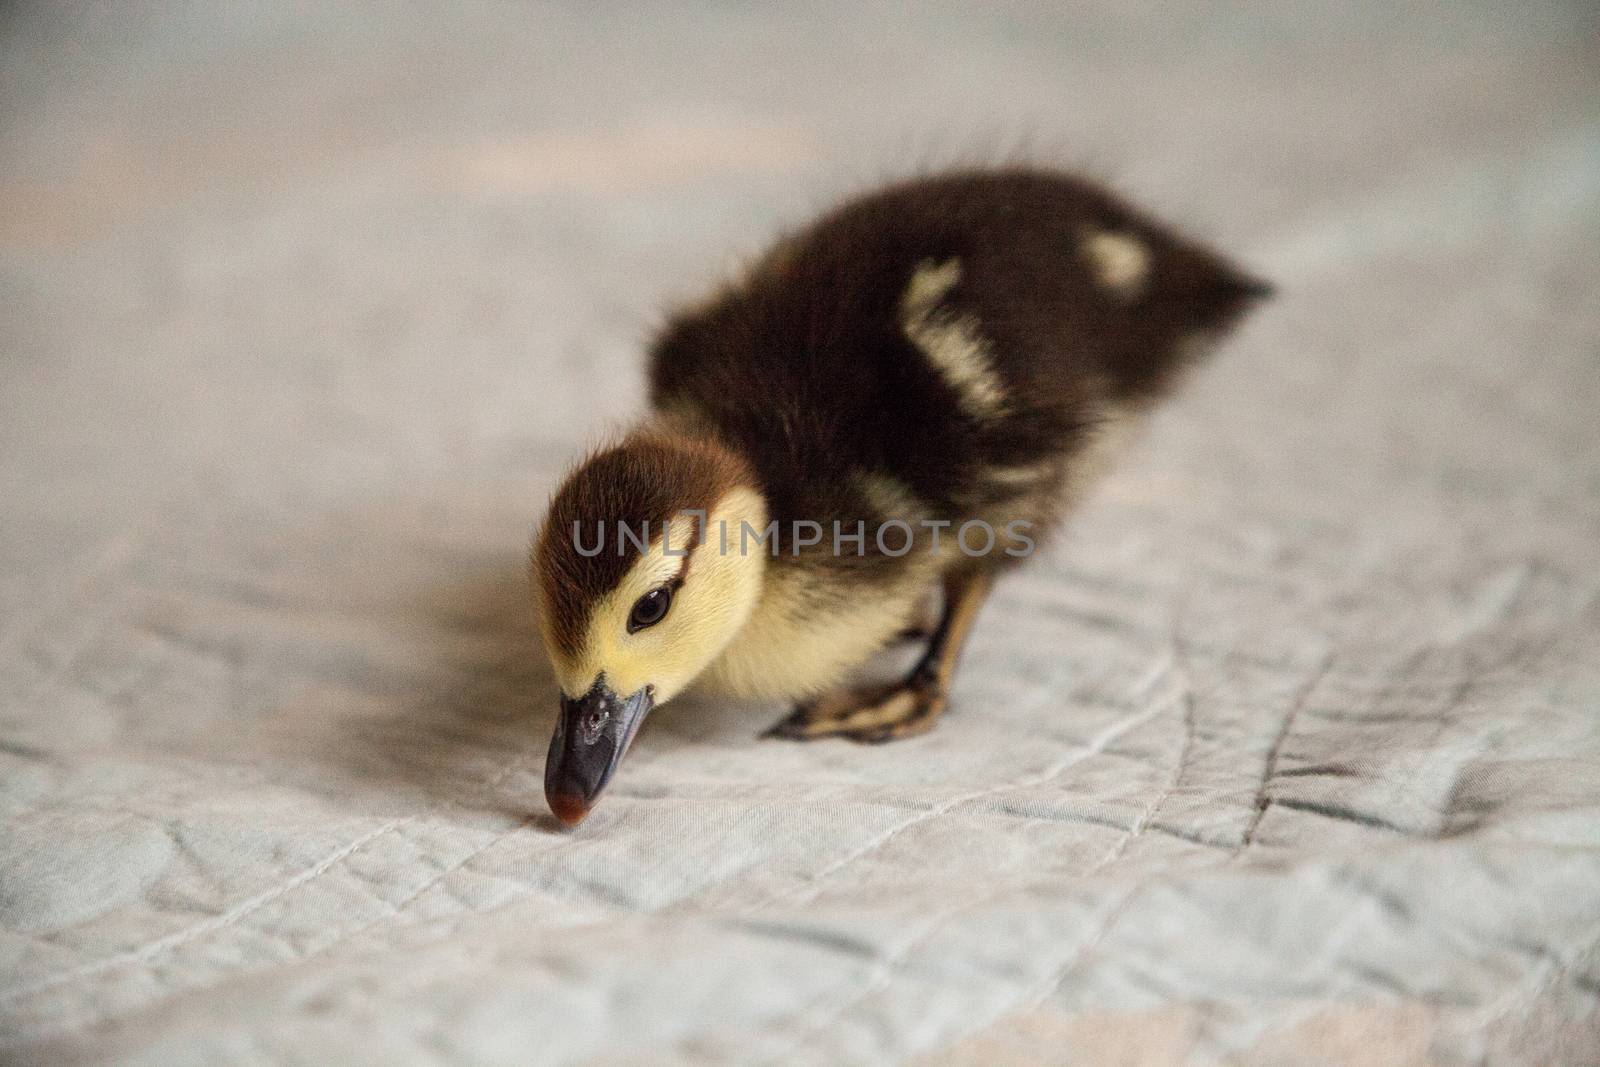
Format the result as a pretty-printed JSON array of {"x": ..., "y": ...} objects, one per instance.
[{"x": 1286, "y": 752}]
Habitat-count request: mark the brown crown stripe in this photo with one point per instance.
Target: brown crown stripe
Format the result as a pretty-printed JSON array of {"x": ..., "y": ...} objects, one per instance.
[{"x": 647, "y": 479}]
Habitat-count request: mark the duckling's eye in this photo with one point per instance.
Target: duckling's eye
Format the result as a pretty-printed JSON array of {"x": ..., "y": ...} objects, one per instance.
[{"x": 649, "y": 609}]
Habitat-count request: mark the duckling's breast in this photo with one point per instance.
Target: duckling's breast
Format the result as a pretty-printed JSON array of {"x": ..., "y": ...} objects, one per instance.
[{"x": 812, "y": 627}]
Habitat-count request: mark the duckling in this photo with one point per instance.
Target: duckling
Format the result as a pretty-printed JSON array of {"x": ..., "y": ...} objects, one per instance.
[{"x": 904, "y": 397}]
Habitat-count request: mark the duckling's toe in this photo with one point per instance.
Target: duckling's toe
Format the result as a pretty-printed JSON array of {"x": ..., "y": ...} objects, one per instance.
[{"x": 867, "y": 714}]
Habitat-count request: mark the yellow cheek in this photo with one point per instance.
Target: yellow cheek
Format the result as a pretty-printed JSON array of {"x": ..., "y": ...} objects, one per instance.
[
  {"x": 628, "y": 664},
  {"x": 707, "y": 610},
  {"x": 663, "y": 657}
]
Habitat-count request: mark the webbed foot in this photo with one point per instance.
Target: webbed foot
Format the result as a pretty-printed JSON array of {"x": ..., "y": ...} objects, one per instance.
[
  {"x": 867, "y": 714},
  {"x": 877, "y": 713}
]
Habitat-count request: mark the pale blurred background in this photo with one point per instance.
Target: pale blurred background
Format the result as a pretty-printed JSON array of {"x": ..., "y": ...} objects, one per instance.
[
  {"x": 1285, "y": 754},
  {"x": 231, "y": 228}
]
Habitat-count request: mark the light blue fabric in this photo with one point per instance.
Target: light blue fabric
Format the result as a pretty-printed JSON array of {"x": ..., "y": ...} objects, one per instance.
[{"x": 1286, "y": 751}]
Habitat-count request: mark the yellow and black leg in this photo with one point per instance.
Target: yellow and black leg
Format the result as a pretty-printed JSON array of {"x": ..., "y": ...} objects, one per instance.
[{"x": 877, "y": 713}]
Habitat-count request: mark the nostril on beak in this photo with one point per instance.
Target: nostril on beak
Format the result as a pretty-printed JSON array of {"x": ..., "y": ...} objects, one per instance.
[{"x": 591, "y": 736}]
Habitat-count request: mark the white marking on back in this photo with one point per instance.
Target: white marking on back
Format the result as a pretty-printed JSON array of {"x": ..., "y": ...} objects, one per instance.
[
  {"x": 1021, "y": 477},
  {"x": 889, "y": 497},
  {"x": 1121, "y": 261},
  {"x": 950, "y": 341}
]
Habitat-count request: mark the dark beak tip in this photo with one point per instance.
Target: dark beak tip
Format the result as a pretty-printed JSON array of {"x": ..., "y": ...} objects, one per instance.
[{"x": 570, "y": 808}]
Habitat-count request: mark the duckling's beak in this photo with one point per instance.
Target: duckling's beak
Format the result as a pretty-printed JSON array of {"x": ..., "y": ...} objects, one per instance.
[{"x": 592, "y": 735}]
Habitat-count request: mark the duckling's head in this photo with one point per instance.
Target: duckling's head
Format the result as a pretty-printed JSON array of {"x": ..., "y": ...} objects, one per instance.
[{"x": 638, "y": 590}]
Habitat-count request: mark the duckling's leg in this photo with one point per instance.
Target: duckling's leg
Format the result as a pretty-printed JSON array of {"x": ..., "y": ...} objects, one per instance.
[
  {"x": 924, "y": 622},
  {"x": 912, "y": 706}
]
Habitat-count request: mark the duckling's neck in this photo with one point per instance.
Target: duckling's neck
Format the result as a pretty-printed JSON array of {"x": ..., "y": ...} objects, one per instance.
[
  {"x": 808, "y": 632},
  {"x": 812, "y": 624}
]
